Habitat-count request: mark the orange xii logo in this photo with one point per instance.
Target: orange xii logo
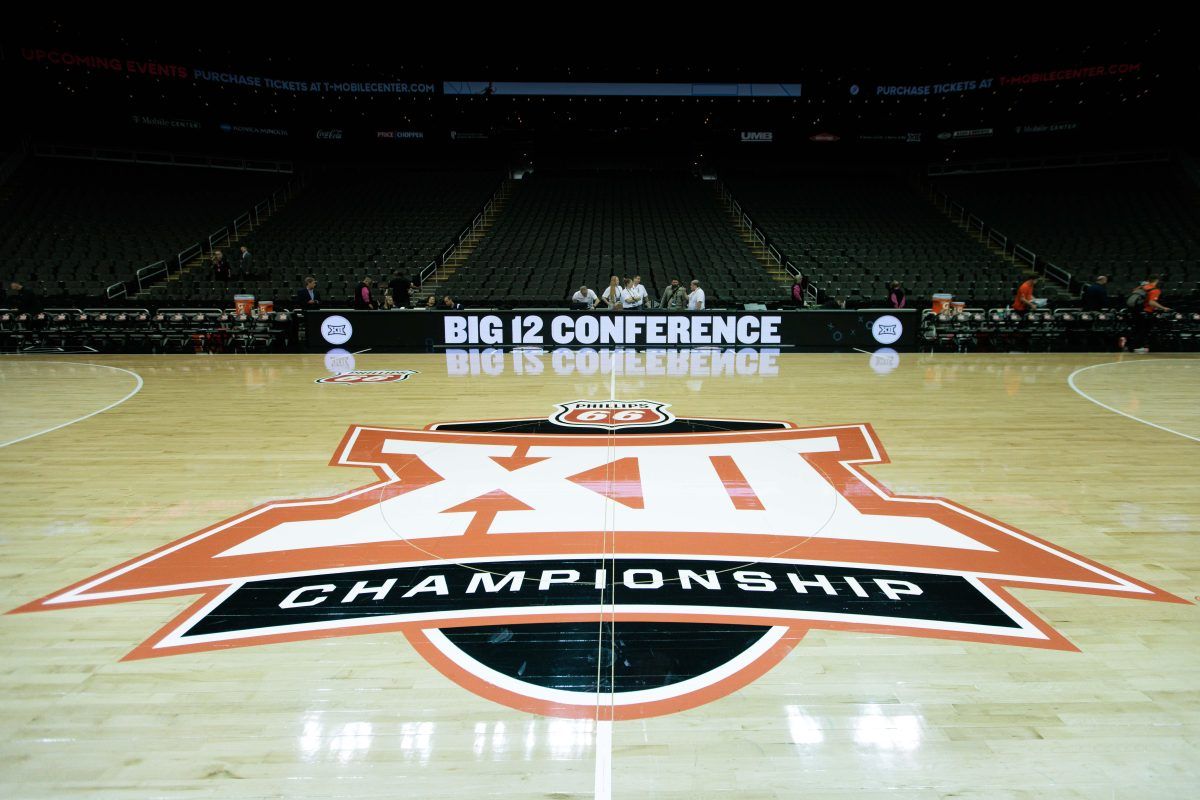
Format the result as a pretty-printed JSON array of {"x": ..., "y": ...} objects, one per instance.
[{"x": 487, "y": 544}]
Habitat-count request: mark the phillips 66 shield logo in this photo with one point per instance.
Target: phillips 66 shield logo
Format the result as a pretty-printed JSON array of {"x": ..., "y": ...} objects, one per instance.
[{"x": 612, "y": 415}]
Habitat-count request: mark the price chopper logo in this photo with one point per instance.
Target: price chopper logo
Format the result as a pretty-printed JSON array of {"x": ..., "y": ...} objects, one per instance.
[
  {"x": 369, "y": 376},
  {"x": 544, "y": 563}
]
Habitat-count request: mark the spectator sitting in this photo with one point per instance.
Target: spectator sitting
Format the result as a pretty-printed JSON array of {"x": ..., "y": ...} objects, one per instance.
[
  {"x": 835, "y": 303},
  {"x": 448, "y": 304},
  {"x": 362, "y": 296},
  {"x": 1095, "y": 295},
  {"x": 22, "y": 299},
  {"x": 431, "y": 303},
  {"x": 308, "y": 297},
  {"x": 584, "y": 299},
  {"x": 896, "y": 297}
]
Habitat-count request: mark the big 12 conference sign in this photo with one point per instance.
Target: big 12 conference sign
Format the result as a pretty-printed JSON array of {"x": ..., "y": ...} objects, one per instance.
[{"x": 608, "y": 553}]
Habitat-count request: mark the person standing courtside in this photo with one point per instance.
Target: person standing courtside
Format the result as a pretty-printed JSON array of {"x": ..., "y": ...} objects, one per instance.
[
  {"x": 1145, "y": 308},
  {"x": 362, "y": 296},
  {"x": 401, "y": 289},
  {"x": 1024, "y": 301},
  {"x": 674, "y": 296},
  {"x": 614, "y": 295},
  {"x": 308, "y": 297},
  {"x": 696, "y": 297},
  {"x": 636, "y": 297}
]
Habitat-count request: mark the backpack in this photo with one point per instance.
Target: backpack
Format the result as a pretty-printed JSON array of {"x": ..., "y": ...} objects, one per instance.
[{"x": 1137, "y": 299}]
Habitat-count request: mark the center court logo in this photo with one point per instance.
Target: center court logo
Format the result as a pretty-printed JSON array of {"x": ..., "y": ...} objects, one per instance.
[
  {"x": 554, "y": 563},
  {"x": 336, "y": 329}
]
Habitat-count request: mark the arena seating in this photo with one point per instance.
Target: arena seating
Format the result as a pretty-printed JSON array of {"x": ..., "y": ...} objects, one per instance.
[
  {"x": 346, "y": 224},
  {"x": 851, "y": 234},
  {"x": 1061, "y": 330},
  {"x": 564, "y": 229},
  {"x": 1126, "y": 222},
  {"x": 140, "y": 330},
  {"x": 70, "y": 228}
]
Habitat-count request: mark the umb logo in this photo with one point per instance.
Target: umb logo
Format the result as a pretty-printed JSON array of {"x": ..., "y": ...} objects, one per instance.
[
  {"x": 496, "y": 548},
  {"x": 612, "y": 415},
  {"x": 758, "y": 136},
  {"x": 369, "y": 376}
]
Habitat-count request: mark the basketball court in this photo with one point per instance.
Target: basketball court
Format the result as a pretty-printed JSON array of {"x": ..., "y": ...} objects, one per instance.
[{"x": 669, "y": 574}]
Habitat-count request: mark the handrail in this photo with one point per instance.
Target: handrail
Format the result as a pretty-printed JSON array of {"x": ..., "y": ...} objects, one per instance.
[
  {"x": 144, "y": 274},
  {"x": 433, "y": 268},
  {"x": 220, "y": 235},
  {"x": 773, "y": 253},
  {"x": 111, "y": 295},
  {"x": 427, "y": 270},
  {"x": 1025, "y": 254},
  {"x": 244, "y": 219},
  {"x": 1008, "y": 247},
  {"x": 188, "y": 254}
]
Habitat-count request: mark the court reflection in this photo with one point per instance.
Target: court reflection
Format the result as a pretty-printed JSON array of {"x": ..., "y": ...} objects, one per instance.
[{"x": 697, "y": 362}]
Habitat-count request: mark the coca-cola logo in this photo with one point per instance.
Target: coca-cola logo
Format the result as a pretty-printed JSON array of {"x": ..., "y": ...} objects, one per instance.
[{"x": 334, "y": 134}]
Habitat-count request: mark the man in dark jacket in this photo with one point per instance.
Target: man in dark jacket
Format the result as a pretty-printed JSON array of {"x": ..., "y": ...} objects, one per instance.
[
  {"x": 23, "y": 299},
  {"x": 308, "y": 297},
  {"x": 1095, "y": 295},
  {"x": 401, "y": 289}
]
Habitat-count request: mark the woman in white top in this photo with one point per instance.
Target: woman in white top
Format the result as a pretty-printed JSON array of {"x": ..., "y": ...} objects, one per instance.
[
  {"x": 635, "y": 295},
  {"x": 614, "y": 295}
]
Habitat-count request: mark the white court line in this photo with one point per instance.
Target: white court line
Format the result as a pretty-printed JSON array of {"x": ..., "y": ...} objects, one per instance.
[
  {"x": 136, "y": 389},
  {"x": 602, "y": 788},
  {"x": 864, "y": 352},
  {"x": 603, "y": 785},
  {"x": 1085, "y": 396},
  {"x": 360, "y": 352}
]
